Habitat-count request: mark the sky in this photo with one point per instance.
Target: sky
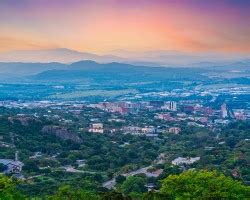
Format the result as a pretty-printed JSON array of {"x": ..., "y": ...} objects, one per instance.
[{"x": 104, "y": 26}]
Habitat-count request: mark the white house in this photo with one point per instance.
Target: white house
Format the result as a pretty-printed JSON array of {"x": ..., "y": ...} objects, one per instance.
[
  {"x": 187, "y": 161},
  {"x": 96, "y": 128}
]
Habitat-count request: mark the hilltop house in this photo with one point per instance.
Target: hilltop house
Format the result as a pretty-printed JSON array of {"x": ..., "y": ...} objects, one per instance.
[{"x": 12, "y": 166}]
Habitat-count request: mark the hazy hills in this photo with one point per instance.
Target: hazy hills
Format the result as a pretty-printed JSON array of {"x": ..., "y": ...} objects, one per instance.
[
  {"x": 148, "y": 58},
  {"x": 114, "y": 72},
  {"x": 88, "y": 69},
  {"x": 60, "y": 55},
  {"x": 24, "y": 69}
]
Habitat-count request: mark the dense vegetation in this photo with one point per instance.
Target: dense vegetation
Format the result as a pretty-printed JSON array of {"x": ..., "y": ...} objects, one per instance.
[
  {"x": 187, "y": 185},
  {"x": 110, "y": 155}
]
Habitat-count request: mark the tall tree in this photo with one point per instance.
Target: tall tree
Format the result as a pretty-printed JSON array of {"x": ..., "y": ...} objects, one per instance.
[{"x": 203, "y": 185}]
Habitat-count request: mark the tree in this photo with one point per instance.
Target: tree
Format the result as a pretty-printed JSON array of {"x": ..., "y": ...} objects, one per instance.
[
  {"x": 133, "y": 184},
  {"x": 31, "y": 166},
  {"x": 114, "y": 196},
  {"x": 120, "y": 179},
  {"x": 67, "y": 193},
  {"x": 203, "y": 185},
  {"x": 8, "y": 189},
  {"x": 2, "y": 167},
  {"x": 155, "y": 196}
]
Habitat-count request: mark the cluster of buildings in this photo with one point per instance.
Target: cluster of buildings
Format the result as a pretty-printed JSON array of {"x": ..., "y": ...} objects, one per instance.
[
  {"x": 149, "y": 131},
  {"x": 134, "y": 107},
  {"x": 185, "y": 161},
  {"x": 12, "y": 166}
]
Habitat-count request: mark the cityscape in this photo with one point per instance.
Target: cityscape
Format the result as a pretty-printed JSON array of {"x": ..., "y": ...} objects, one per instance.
[{"x": 124, "y": 100}]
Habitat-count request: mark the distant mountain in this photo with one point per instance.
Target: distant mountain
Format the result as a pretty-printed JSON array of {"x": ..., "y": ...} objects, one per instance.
[
  {"x": 148, "y": 58},
  {"x": 88, "y": 69},
  {"x": 61, "y": 55},
  {"x": 179, "y": 59},
  {"x": 116, "y": 72},
  {"x": 25, "y": 69}
]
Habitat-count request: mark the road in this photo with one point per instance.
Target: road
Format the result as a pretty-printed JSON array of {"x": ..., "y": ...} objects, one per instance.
[{"x": 111, "y": 183}]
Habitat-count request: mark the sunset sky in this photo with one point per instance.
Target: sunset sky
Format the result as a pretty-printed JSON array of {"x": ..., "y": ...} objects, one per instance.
[{"x": 102, "y": 26}]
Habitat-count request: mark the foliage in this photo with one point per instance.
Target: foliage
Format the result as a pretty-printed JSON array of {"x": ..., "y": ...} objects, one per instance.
[
  {"x": 67, "y": 193},
  {"x": 133, "y": 184},
  {"x": 120, "y": 179},
  {"x": 8, "y": 189},
  {"x": 114, "y": 196},
  {"x": 155, "y": 196},
  {"x": 2, "y": 167},
  {"x": 203, "y": 185}
]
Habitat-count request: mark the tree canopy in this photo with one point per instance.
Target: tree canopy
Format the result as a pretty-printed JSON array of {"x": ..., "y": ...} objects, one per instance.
[
  {"x": 203, "y": 185},
  {"x": 8, "y": 189},
  {"x": 133, "y": 184}
]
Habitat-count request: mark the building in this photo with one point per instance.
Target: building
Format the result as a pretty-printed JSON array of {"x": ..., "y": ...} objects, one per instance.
[
  {"x": 188, "y": 108},
  {"x": 148, "y": 130},
  {"x": 175, "y": 130},
  {"x": 156, "y": 104},
  {"x": 239, "y": 115},
  {"x": 81, "y": 163},
  {"x": 165, "y": 116},
  {"x": 12, "y": 166},
  {"x": 224, "y": 113},
  {"x": 187, "y": 161},
  {"x": 96, "y": 128},
  {"x": 172, "y": 106}
]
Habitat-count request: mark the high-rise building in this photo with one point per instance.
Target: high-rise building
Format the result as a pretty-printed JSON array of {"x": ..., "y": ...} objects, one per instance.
[
  {"x": 172, "y": 105},
  {"x": 224, "y": 113}
]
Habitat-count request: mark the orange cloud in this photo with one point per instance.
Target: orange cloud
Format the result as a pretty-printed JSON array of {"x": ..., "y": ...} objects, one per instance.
[{"x": 146, "y": 25}]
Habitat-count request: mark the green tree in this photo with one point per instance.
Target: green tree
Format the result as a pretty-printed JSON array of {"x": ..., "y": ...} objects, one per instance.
[
  {"x": 203, "y": 185},
  {"x": 67, "y": 193},
  {"x": 114, "y": 196},
  {"x": 120, "y": 179},
  {"x": 133, "y": 184},
  {"x": 155, "y": 196},
  {"x": 8, "y": 189},
  {"x": 2, "y": 167}
]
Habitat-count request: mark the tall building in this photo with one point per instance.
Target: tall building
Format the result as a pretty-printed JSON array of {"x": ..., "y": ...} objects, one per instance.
[
  {"x": 172, "y": 105},
  {"x": 224, "y": 113}
]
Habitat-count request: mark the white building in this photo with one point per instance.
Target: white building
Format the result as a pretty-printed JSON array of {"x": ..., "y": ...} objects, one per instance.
[
  {"x": 148, "y": 130},
  {"x": 187, "y": 161},
  {"x": 96, "y": 128},
  {"x": 175, "y": 130},
  {"x": 224, "y": 113}
]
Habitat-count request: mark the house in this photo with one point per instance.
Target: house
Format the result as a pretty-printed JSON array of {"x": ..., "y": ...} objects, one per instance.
[
  {"x": 96, "y": 128},
  {"x": 189, "y": 160},
  {"x": 12, "y": 166},
  {"x": 150, "y": 186},
  {"x": 133, "y": 130},
  {"x": 175, "y": 130},
  {"x": 165, "y": 116},
  {"x": 148, "y": 130},
  {"x": 81, "y": 163}
]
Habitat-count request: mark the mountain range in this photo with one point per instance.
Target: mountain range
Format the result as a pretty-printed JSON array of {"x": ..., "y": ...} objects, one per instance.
[
  {"x": 91, "y": 70},
  {"x": 148, "y": 58}
]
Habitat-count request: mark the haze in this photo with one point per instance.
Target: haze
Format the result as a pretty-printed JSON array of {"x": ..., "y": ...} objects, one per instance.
[{"x": 107, "y": 27}]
